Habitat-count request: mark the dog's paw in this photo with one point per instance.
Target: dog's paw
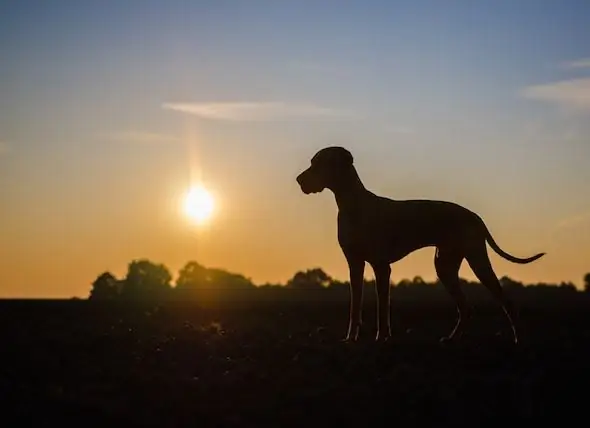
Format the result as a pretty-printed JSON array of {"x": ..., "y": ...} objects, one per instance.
[
  {"x": 349, "y": 339},
  {"x": 446, "y": 340},
  {"x": 382, "y": 338}
]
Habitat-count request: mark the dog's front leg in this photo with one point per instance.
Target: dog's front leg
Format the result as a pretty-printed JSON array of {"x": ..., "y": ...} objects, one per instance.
[
  {"x": 356, "y": 270},
  {"x": 382, "y": 283}
]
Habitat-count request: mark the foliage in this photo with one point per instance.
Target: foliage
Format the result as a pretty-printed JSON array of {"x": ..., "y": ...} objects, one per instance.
[
  {"x": 146, "y": 280},
  {"x": 314, "y": 278},
  {"x": 105, "y": 287}
]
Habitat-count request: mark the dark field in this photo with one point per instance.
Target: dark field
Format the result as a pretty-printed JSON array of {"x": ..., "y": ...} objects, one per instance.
[{"x": 278, "y": 362}]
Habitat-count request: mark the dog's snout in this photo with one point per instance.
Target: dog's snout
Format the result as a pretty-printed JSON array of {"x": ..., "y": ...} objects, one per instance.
[{"x": 308, "y": 181}]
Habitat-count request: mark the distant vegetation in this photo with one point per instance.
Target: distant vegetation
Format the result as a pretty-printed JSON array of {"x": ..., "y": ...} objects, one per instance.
[
  {"x": 211, "y": 348},
  {"x": 146, "y": 280}
]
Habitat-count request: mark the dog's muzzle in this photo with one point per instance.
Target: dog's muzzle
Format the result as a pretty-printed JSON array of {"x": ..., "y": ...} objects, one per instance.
[{"x": 306, "y": 184}]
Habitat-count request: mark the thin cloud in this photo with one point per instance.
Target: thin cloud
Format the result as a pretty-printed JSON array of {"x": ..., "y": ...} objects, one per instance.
[
  {"x": 142, "y": 137},
  {"x": 574, "y": 93},
  {"x": 256, "y": 111},
  {"x": 580, "y": 63}
]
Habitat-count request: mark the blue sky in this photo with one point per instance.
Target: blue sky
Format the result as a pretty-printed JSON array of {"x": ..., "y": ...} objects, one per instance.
[{"x": 473, "y": 101}]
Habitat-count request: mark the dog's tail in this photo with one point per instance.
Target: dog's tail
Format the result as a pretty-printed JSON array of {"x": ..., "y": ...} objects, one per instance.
[{"x": 507, "y": 256}]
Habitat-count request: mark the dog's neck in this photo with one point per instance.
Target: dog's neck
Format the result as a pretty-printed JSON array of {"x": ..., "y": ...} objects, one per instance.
[{"x": 349, "y": 191}]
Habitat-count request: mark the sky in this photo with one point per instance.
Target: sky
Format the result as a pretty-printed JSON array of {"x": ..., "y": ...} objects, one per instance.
[{"x": 110, "y": 110}]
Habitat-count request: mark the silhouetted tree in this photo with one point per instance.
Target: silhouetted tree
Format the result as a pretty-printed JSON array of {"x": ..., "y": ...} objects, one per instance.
[
  {"x": 314, "y": 278},
  {"x": 510, "y": 284},
  {"x": 146, "y": 280},
  {"x": 105, "y": 287},
  {"x": 198, "y": 282},
  {"x": 268, "y": 286},
  {"x": 191, "y": 277},
  {"x": 225, "y": 279},
  {"x": 336, "y": 285},
  {"x": 194, "y": 276},
  {"x": 418, "y": 280},
  {"x": 567, "y": 286},
  {"x": 404, "y": 283}
]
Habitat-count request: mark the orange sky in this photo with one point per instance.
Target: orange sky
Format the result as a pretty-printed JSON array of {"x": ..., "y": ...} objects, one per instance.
[
  {"x": 57, "y": 240},
  {"x": 102, "y": 133}
]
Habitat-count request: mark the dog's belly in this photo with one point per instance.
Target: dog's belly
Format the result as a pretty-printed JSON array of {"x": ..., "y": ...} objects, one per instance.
[
  {"x": 380, "y": 249},
  {"x": 388, "y": 236},
  {"x": 376, "y": 243}
]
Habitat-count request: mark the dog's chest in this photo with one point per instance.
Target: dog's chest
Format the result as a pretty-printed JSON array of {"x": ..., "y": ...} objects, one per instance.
[{"x": 363, "y": 232}]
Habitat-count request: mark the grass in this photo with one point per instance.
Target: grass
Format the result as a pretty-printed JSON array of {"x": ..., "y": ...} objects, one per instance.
[{"x": 281, "y": 364}]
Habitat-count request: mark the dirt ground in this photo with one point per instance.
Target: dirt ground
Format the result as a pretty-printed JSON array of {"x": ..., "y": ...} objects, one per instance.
[{"x": 282, "y": 364}]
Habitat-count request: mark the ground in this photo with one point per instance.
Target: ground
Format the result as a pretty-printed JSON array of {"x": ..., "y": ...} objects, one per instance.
[{"x": 281, "y": 364}]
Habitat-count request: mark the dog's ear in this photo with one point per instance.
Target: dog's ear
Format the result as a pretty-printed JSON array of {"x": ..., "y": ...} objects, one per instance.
[
  {"x": 347, "y": 157},
  {"x": 341, "y": 157},
  {"x": 338, "y": 155}
]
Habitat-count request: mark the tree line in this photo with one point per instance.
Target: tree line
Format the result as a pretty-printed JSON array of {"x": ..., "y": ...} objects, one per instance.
[{"x": 147, "y": 280}]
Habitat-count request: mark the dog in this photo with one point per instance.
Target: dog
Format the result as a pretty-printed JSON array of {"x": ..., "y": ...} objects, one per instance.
[{"x": 380, "y": 231}]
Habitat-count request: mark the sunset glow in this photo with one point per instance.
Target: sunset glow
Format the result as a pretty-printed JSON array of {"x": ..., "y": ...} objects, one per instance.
[
  {"x": 199, "y": 204},
  {"x": 175, "y": 131}
]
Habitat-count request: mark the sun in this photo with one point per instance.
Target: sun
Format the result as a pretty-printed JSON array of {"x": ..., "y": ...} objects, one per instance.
[{"x": 199, "y": 204}]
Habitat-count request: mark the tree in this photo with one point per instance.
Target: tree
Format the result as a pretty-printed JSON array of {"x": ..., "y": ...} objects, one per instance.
[
  {"x": 404, "y": 283},
  {"x": 146, "y": 280},
  {"x": 587, "y": 282},
  {"x": 418, "y": 281},
  {"x": 224, "y": 279},
  {"x": 104, "y": 287},
  {"x": 191, "y": 277},
  {"x": 198, "y": 282},
  {"x": 510, "y": 284},
  {"x": 339, "y": 285},
  {"x": 567, "y": 286},
  {"x": 310, "y": 279}
]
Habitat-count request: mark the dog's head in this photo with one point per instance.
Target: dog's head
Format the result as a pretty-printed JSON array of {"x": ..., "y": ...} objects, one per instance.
[{"x": 327, "y": 169}]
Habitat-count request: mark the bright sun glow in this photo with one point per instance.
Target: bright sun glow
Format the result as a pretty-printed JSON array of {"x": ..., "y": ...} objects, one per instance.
[{"x": 198, "y": 204}]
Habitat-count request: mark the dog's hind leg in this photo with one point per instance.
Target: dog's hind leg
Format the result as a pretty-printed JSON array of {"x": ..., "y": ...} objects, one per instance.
[
  {"x": 447, "y": 263},
  {"x": 479, "y": 261}
]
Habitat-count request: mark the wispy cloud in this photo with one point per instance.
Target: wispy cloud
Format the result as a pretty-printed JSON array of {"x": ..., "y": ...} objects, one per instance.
[
  {"x": 573, "y": 93},
  {"x": 277, "y": 111},
  {"x": 140, "y": 137},
  {"x": 580, "y": 63},
  {"x": 257, "y": 111}
]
